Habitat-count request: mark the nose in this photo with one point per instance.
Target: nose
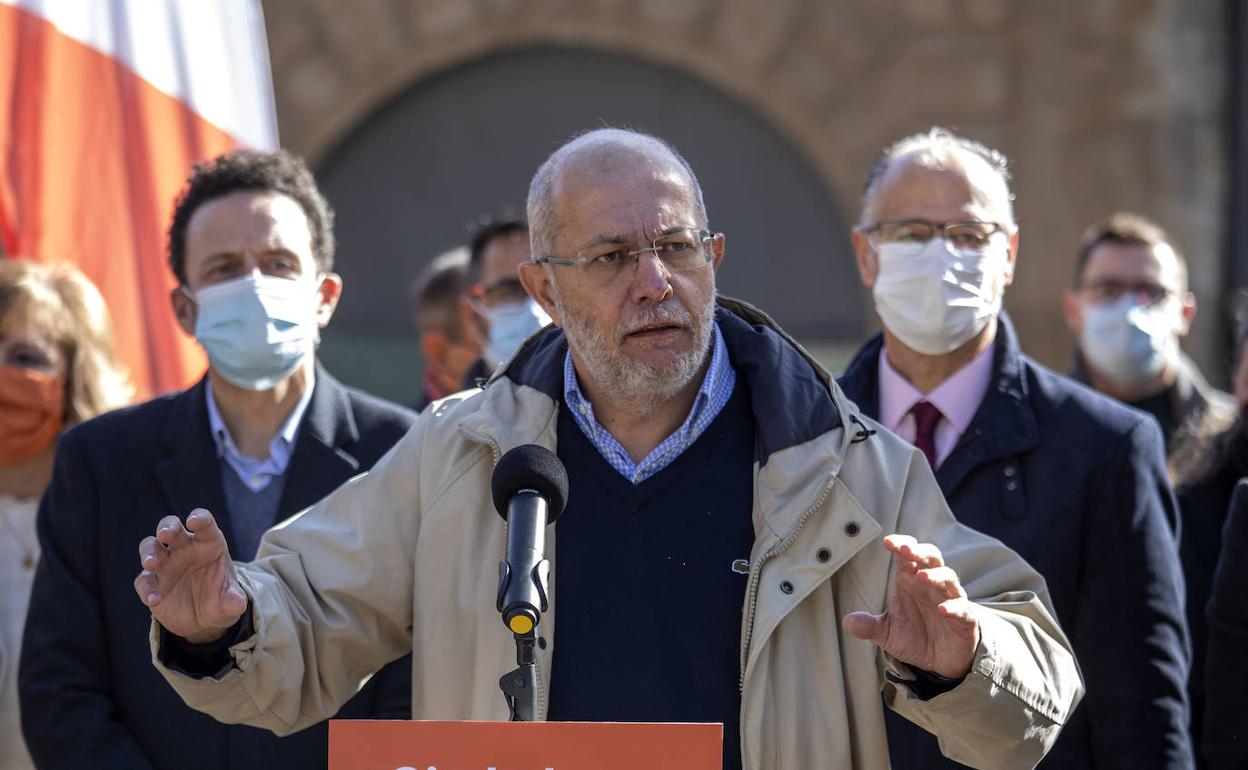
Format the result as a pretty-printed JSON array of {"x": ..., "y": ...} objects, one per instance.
[{"x": 651, "y": 279}]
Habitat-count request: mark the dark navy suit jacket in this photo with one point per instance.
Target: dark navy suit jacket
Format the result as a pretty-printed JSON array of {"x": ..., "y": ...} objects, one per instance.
[
  {"x": 1226, "y": 709},
  {"x": 90, "y": 696},
  {"x": 1076, "y": 484}
]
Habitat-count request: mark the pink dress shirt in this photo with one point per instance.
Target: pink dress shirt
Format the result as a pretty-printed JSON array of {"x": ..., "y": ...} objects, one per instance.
[{"x": 957, "y": 398}]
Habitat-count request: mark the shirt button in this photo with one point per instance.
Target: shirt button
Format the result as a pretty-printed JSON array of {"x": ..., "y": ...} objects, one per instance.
[
  {"x": 27, "y": 562},
  {"x": 581, "y": 409}
]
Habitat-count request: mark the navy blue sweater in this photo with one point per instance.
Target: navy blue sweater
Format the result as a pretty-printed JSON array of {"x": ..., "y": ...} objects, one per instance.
[{"x": 651, "y": 582}]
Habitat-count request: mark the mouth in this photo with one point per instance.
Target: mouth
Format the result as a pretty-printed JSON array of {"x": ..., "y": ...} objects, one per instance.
[{"x": 654, "y": 330}]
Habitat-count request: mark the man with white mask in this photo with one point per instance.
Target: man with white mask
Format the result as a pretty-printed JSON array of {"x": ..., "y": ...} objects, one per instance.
[
  {"x": 496, "y": 252},
  {"x": 1072, "y": 481},
  {"x": 1129, "y": 310},
  {"x": 264, "y": 434}
]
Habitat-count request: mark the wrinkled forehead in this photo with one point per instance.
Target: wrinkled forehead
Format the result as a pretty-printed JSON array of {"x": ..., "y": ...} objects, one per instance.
[{"x": 634, "y": 201}]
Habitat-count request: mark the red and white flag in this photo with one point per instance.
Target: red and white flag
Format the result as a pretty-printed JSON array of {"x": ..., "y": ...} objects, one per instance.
[{"x": 104, "y": 107}]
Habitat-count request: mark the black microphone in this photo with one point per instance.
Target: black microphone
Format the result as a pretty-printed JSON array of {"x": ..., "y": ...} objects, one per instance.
[{"x": 530, "y": 487}]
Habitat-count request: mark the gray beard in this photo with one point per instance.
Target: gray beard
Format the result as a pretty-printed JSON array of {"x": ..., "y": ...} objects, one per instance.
[{"x": 637, "y": 387}]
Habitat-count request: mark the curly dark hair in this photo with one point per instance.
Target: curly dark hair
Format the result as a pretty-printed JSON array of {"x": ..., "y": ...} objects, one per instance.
[{"x": 280, "y": 172}]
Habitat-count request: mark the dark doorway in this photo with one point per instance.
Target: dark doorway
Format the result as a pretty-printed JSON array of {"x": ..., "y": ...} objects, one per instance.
[{"x": 411, "y": 181}]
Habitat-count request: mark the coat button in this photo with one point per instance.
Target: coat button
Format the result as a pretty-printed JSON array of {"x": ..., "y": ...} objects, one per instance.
[
  {"x": 851, "y": 528},
  {"x": 1011, "y": 485},
  {"x": 541, "y": 642},
  {"x": 786, "y": 586},
  {"x": 1010, "y": 470},
  {"x": 823, "y": 554}
]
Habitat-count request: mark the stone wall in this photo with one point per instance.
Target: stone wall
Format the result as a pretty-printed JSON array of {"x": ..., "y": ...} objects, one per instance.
[{"x": 1101, "y": 104}]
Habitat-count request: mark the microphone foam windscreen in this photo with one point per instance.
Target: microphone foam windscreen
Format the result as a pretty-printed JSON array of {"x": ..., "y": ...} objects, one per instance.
[{"x": 530, "y": 466}]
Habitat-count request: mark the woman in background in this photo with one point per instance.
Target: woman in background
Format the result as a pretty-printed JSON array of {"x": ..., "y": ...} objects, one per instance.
[{"x": 56, "y": 369}]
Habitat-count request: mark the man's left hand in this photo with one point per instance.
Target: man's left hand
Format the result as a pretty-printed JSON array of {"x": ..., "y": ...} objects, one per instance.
[{"x": 929, "y": 623}]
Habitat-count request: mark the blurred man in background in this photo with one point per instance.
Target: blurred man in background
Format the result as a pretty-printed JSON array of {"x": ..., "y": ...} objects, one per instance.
[
  {"x": 264, "y": 434},
  {"x": 450, "y": 330},
  {"x": 496, "y": 251},
  {"x": 1129, "y": 310},
  {"x": 1074, "y": 482}
]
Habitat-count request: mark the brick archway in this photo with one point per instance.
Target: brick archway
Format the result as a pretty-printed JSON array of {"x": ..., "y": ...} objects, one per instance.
[{"x": 1099, "y": 105}]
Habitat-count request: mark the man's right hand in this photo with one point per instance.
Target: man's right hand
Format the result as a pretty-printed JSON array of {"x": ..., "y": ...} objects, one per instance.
[{"x": 188, "y": 578}]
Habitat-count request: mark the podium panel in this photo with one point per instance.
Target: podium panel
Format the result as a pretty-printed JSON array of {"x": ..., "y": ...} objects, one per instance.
[{"x": 411, "y": 745}]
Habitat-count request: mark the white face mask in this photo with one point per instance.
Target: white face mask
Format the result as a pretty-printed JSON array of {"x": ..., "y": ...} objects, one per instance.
[
  {"x": 510, "y": 325},
  {"x": 257, "y": 329},
  {"x": 1130, "y": 343},
  {"x": 937, "y": 299}
]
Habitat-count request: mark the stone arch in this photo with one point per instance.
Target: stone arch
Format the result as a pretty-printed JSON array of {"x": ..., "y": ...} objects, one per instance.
[{"x": 1101, "y": 106}]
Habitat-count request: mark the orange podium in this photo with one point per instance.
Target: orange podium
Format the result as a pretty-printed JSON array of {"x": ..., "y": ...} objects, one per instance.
[{"x": 411, "y": 745}]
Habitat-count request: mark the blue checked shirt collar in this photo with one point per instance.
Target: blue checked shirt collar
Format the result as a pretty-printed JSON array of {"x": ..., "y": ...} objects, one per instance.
[
  {"x": 716, "y": 388},
  {"x": 256, "y": 474}
]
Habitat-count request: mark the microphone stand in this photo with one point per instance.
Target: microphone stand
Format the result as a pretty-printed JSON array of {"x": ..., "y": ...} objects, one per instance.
[{"x": 519, "y": 686}]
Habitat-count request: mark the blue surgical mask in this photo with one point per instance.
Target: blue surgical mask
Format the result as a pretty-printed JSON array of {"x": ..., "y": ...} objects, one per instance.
[
  {"x": 257, "y": 329},
  {"x": 510, "y": 325},
  {"x": 1130, "y": 343}
]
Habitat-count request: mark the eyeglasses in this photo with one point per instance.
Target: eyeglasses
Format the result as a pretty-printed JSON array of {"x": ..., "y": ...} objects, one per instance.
[
  {"x": 1111, "y": 290},
  {"x": 968, "y": 234},
  {"x": 501, "y": 292},
  {"x": 606, "y": 263}
]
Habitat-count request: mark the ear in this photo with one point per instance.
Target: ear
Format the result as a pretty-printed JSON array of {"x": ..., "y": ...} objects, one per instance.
[
  {"x": 433, "y": 345},
  {"x": 540, "y": 286},
  {"x": 867, "y": 259},
  {"x": 1189, "y": 314},
  {"x": 1011, "y": 258},
  {"x": 330, "y": 291},
  {"x": 717, "y": 250},
  {"x": 183, "y": 310},
  {"x": 1073, "y": 311},
  {"x": 472, "y": 324}
]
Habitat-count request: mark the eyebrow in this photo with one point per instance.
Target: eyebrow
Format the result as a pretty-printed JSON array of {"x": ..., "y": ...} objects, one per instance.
[{"x": 624, "y": 239}]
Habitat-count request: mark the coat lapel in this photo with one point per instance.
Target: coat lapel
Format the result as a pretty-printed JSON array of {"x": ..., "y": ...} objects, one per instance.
[
  {"x": 190, "y": 471},
  {"x": 322, "y": 459},
  {"x": 1004, "y": 425}
]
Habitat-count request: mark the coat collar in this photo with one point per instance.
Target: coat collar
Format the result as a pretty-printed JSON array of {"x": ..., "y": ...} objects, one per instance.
[
  {"x": 797, "y": 408},
  {"x": 790, "y": 393},
  {"x": 1004, "y": 425},
  {"x": 190, "y": 471}
]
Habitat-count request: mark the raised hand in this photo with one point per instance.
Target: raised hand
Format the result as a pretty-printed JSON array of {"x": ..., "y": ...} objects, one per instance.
[
  {"x": 188, "y": 578},
  {"x": 929, "y": 623}
]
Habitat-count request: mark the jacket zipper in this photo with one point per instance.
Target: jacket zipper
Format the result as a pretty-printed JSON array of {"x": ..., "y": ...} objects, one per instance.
[
  {"x": 497, "y": 451},
  {"x": 756, "y": 576}
]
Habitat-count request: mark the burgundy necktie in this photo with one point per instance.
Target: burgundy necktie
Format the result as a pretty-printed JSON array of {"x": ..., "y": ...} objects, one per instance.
[{"x": 926, "y": 418}]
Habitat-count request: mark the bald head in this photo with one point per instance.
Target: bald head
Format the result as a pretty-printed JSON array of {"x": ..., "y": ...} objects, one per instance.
[
  {"x": 985, "y": 171},
  {"x": 597, "y": 158}
]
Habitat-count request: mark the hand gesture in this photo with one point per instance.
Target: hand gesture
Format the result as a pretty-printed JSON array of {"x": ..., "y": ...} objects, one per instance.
[
  {"x": 188, "y": 578},
  {"x": 929, "y": 623}
]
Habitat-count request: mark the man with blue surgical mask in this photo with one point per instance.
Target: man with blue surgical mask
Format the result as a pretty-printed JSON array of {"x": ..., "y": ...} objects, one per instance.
[
  {"x": 265, "y": 433},
  {"x": 509, "y": 315},
  {"x": 1129, "y": 310},
  {"x": 1071, "y": 480}
]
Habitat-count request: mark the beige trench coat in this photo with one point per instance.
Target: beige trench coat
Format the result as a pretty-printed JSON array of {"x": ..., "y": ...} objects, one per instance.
[{"x": 405, "y": 558}]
